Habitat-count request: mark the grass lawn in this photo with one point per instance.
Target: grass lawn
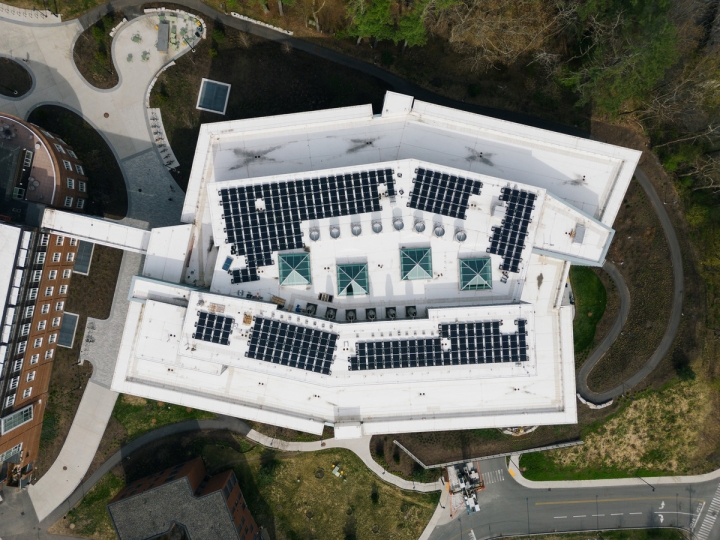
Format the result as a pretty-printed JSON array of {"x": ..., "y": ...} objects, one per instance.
[
  {"x": 138, "y": 415},
  {"x": 293, "y": 495},
  {"x": 13, "y": 78},
  {"x": 656, "y": 433},
  {"x": 590, "y": 300},
  {"x": 107, "y": 194},
  {"x": 92, "y": 52}
]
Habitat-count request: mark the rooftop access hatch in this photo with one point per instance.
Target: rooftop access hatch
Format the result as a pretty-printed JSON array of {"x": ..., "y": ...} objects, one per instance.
[
  {"x": 213, "y": 96},
  {"x": 352, "y": 279},
  {"x": 475, "y": 274},
  {"x": 415, "y": 263},
  {"x": 294, "y": 269}
]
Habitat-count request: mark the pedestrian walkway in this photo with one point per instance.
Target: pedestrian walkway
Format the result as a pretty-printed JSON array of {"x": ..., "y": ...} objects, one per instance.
[
  {"x": 87, "y": 429},
  {"x": 29, "y": 16},
  {"x": 493, "y": 476},
  {"x": 710, "y": 517}
]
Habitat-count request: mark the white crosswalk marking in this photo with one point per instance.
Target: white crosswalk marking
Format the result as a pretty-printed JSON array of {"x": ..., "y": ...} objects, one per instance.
[
  {"x": 493, "y": 476},
  {"x": 710, "y": 517}
]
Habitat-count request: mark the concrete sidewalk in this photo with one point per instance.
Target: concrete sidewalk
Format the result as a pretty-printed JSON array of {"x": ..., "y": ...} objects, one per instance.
[
  {"x": 87, "y": 429},
  {"x": 514, "y": 470}
]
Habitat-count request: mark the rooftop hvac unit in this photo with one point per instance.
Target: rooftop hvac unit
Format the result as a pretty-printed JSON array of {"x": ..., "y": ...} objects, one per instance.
[
  {"x": 390, "y": 313},
  {"x": 311, "y": 309},
  {"x": 410, "y": 312},
  {"x": 370, "y": 314},
  {"x": 330, "y": 314},
  {"x": 350, "y": 315},
  {"x": 579, "y": 235}
]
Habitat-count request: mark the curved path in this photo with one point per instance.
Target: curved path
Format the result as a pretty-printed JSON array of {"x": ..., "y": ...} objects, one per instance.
[{"x": 675, "y": 315}]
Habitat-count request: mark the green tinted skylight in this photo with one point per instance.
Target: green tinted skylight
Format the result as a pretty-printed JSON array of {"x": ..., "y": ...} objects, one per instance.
[
  {"x": 415, "y": 263},
  {"x": 352, "y": 279},
  {"x": 295, "y": 269},
  {"x": 475, "y": 274}
]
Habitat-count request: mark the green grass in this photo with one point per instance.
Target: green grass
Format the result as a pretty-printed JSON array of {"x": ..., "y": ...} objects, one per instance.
[
  {"x": 139, "y": 416},
  {"x": 539, "y": 467},
  {"x": 590, "y": 301},
  {"x": 91, "y": 517}
]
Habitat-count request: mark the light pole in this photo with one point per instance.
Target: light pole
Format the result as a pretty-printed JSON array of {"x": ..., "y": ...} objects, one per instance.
[{"x": 645, "y": 482}]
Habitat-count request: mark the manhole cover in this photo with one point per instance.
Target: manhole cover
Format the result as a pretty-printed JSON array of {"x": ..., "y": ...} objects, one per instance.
[{"x": 319, "y": 473}]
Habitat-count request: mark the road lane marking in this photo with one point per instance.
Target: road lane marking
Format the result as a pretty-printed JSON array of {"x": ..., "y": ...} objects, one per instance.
[
  {"x": 598, "y": 515},
  {"x": 581, "y": 516},
  {"x": 604, "y": 500},
  {"x": 636, "y": 513},
  {"x": 493, "y": 476},
  {"x": 620, "y": 514},
  {"x": 560, "y": 517}
]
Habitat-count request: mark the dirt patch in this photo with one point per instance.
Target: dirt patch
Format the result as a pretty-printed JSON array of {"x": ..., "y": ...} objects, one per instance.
[
  {"x": 92, "y": 52},
  {"x": 15, "y": 80},
  {"x": 133, "y": 400},
  {"x": 90, "y": 296},
  {"x": 291, "y": 435}
]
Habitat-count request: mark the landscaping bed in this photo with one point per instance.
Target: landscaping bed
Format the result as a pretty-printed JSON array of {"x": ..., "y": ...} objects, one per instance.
[
  {"x": 15, "y": 80},
  {"x": 107, "y": 194},
  {"x": 92, "y": 52},
  {"x": 285, "y": 492},
  {"x": 590, "y": 301},
  {"x": 89, "y": 296}
]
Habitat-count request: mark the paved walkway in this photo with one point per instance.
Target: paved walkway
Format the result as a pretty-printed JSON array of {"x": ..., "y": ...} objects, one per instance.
[{"x": 675, "y": 314}]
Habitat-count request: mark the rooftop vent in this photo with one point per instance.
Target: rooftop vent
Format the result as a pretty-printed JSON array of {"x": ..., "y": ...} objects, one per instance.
[
  {"x": 377, "y": 226},
  {"x": 460, "y": 235},
  {"x": 356, "y": 229},
  {"x": 370, "y": 314},
  {"x": 410, "y": 312},
  {"x": 311, "y": 309},
  {"x": 330, "y": 314},
  {"x": 335, "y": 231},
  {"x": 420, "y": 226},
  {"x": 390, "y": 313},
  {"x": 398, "y": 224},
  {"x": 314, "y": 235},
  {"x": 439, "y": 230},
  {"x": 351, "y": 315}
]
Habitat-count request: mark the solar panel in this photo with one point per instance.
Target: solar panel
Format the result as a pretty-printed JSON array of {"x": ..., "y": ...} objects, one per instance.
[
  {"x": 508, "y": 241},
  {"x": 470, "y": 343},
  {"x": 213, "y": 328},
  {"x": 257, "y": 234},
  {"x": 442, "y": 194},
  {"x": 292, "y": 345}
]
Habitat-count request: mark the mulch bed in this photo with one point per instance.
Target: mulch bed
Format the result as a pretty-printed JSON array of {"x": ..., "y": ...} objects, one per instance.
[{"x": 15, "y": 80}]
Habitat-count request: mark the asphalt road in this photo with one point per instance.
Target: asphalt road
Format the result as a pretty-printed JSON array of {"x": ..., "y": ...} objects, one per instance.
[{"x": 507, "y": 508}]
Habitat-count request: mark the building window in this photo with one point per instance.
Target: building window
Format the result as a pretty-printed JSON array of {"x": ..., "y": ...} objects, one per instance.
[
  {"x": 18, "y": 193},
  {"x": 14, "y": 382},
  {"x": 79, "y": 169},
  {"x": 49, "y": 291},
  {"x": 47, "y": 134},
  {"x": 73, "y": 241},
  {"x": 25, "y": 329},
  {"x": 59, "y": 306},
  {"x": 68, "y": 165},
  {"x": 29, "y": 311},
  {"x": 56, "y": 257},
  {"x": 59, "y": 240},
  {"x": 17, "y": 365},
  {"x": 80, "y": 203},
  {"x": 66, "y": 273},
  {"x": 30, "y": 377},
  {"x": 37, "y": 343},
  {"x": 36, "y": 276},
  {"x": 72, "y": 154},
  {"x": 60, "y": 148},
  {"x": 52, "y": 338},
  {"x": 71, "y": 183},
  {"x": 40, "y": 259},
  {"x": 32, "y": 295},
  {"x": 44, "y": 239},
  {"x": 42, "y": 324},
  {"x": 27, "y": 392},
  {"x": 45, "y": 309},
  {"x": 59, "y": 139},
  {"x": 34, "y": 359},
  {"x": 52, "y": 274},
  {"x": 49, "y": 354},
  {"x": 70, "y": 257},
  {"x": 10, "y": 401},
  {"x": 68, "y": 202},
  {"x": 21, "y": 347},
  {"x": 56, "y": 322},
  {"x": 63, "y": 289},
  {"x": 82, "y": 186},
  {"x": 10, "y": 453},
  {"x": 16, "y": 419}
]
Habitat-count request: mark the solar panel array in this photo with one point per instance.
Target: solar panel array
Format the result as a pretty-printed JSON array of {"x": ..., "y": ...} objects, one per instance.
[
  {"x": 258, "y": 233},
  {"x": 470, "y": 343},
  {"x": 245, "y": 274},
  {"x": 441, "y": 193},
  {"x": 213, "y": 328},
  {"x": 508, "y": 241},
  {"x": 292, "y": 345}
]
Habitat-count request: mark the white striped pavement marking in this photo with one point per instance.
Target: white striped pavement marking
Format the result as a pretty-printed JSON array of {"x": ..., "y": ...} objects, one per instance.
[
  {"x": 493, "y": 476},
  {"x": 710, "y": 517}
]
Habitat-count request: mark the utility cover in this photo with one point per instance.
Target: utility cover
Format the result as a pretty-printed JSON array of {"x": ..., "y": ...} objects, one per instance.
[
  {"x": 475, "y": 274},
  {"x": 295, "y": 269},
  {"x": 352, "y": 279},
  {"x": 415, "y": 263}
]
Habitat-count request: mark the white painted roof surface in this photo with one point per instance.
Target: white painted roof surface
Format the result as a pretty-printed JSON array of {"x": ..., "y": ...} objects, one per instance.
[
  {"x": 590, "y": 175},
  {"x": 167, "y": 251},
  {"x": 9, "y": 246},
  {"x": 96, "y": 230}
]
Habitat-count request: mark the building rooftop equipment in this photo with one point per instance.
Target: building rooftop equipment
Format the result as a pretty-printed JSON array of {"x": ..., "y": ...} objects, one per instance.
[{"x": 213, "y": 96}]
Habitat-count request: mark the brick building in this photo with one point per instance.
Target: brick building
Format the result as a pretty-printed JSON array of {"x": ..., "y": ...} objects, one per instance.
[
  {"x": 35, "y": 273},
  {"x": 183, "y": 496},
  {"x": 37, "y": 166}
]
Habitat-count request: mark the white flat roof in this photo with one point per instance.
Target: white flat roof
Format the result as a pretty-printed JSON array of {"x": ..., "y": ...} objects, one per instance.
[{"x": 9, "y": 246}]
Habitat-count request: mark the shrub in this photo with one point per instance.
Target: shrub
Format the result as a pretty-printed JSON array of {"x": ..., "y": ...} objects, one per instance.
[
  {"x": 213, "y": 52},
  {"x": 218, "y": 36},
  {"x": 375, "y": 494},
  {"x": 98, "y": 34}
]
